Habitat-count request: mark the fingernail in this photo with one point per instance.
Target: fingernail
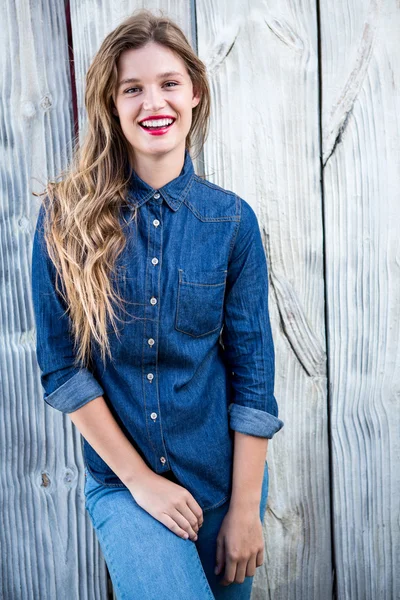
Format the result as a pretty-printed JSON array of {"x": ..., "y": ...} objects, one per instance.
[{"x": 196, "y": 537}]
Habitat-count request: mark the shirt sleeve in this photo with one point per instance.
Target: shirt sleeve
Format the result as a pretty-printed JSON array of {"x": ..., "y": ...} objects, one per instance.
[
  {"x": 66, "y": 387},
  {"x": 246, "y": 334}
]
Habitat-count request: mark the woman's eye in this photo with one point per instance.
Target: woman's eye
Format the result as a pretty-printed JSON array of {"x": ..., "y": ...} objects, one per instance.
[
  {"x": 136, "y": 88},
  {"x": 131, "y": 89}
]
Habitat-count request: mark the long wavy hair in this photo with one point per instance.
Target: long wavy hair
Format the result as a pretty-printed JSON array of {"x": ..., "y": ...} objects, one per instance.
[{"x": 82, "y": 228}]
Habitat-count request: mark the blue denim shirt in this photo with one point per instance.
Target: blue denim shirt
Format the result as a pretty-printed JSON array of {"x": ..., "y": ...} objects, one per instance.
[{"x": 195, "y": 358}]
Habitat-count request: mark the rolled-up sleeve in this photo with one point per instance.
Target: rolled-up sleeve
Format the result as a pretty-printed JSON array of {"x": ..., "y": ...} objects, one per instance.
[
  {"x": 66, "y": 386},
  {"x": 246, "y": 335}
]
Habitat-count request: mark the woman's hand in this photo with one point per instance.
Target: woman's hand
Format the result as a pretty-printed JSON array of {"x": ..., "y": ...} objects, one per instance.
[
  {"x": 240, "y": 545},
  {"x": 169, "y": 503}
]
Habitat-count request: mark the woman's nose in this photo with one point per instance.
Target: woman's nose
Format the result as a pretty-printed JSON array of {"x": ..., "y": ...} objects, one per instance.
[{"x": 153, "y": 100}]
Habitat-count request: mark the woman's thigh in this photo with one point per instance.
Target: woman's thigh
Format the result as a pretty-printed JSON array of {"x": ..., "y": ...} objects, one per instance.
[
  {"x": 145, "y": 559},
  {"x": 207, "y": 549}
]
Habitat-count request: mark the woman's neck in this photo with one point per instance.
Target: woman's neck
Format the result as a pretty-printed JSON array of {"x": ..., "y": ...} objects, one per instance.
[{"x": 158, "y": 170}]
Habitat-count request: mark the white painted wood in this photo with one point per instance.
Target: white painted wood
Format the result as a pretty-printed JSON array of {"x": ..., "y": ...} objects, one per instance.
[
  {"x": 264, "y": 145},
  {"x": 48, "y": 549},
  {"x": 361, "y": 150},
  {"x": 263, "y": 64}
]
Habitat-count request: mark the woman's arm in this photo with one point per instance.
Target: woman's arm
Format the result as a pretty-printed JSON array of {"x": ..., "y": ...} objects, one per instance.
[
  {"x": 248, "y": 470},
  {"x": 253, "y": 412},
  {"x": 98, "y": 426},
  {"x": 169, "y": 503},
  {"x": 240, "y": 542},
  {"x": 246, "y": 335},
  {"x": 74, "y": 390}
]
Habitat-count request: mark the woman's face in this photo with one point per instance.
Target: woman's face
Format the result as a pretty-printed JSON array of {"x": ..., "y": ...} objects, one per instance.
[{"x": 153, "y": 92}]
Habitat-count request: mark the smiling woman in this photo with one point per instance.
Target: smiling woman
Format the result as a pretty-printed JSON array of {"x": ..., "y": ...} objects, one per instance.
[{"x": 175, "y": 405}]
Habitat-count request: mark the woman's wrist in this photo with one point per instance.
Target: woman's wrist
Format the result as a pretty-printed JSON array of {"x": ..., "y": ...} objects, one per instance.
[
  {"x": 245, "y": 502},
  {"x": 136, "y": 478}
]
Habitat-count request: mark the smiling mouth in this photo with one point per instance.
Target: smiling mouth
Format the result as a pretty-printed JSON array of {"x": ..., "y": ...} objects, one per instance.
[
  {"x": 157, "y": 127},
  {"x": 158, "y": 131}
]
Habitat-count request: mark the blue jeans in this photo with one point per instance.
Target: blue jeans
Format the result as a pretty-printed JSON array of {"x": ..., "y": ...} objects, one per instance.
[{"x": 147, "y": 561}]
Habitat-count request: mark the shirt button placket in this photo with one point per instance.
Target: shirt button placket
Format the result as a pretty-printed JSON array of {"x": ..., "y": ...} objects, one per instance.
[{"x": 151, "y": 328}]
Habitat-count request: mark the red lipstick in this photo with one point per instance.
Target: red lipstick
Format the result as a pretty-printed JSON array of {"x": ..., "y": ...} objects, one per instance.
[
  {"x": 157, "y": 130},
  {"x": 155, "y": 117}
]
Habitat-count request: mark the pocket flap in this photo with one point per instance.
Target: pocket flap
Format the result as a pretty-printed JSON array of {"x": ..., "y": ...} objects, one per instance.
[{"x": 201, "y": 277}]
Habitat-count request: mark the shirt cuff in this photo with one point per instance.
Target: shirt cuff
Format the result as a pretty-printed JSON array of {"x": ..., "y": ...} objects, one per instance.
[
  {"x": 253, "y": 421},
  {"x": 75, "y": 392}
]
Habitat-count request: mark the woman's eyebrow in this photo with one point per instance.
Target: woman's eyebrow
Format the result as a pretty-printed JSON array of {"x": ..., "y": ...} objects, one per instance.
[{"x": 159, "y": 76}]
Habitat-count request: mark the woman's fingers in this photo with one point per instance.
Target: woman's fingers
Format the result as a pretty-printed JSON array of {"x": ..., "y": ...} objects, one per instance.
[
  {"x": 186, "y": 521},
  {"x": 241, "y": 568},
  {"x": 196, "y": 509},
  {"x": 170, "y": 503},
  {"x": 251, "y": 566},
  {"x": 220, "y": 557},
  {"x": 173, "y": 526},
  {"x": 189, "y": 513},
  {"x": 260, "y": 558}
]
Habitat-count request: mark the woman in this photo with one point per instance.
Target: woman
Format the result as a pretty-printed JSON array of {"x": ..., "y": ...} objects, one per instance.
[{"x": 150, "y": 290}]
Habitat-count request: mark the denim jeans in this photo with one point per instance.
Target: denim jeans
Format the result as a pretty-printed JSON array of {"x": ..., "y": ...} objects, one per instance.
[{"x": 147, "y": 561}]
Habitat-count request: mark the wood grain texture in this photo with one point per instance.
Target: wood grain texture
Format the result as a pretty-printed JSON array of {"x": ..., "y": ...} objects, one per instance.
[
  {"x": 47, "y": 546},
  {"x": 333, "y": 256},
  {"x": 262, "y": 60},
  {"x": 361, "y": 149}
]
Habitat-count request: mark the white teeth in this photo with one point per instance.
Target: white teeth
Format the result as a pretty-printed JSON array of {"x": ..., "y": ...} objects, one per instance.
[{"x": 157, "y": 123}]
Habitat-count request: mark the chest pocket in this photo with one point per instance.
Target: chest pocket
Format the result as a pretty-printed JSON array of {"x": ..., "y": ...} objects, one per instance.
[{"x": 200, "y": 301}]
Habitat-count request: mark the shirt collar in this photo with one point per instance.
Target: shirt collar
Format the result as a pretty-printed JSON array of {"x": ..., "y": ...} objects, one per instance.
[{"x": 173, "y": 192}]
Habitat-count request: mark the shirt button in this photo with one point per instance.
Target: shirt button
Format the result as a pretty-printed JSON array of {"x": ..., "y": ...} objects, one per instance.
[
  {"x": 153, "y": 415},
  {"x": 150, "y": 341},
  {"x": 156, "y": 222},
  {"x": 154, "y": 261},
  {"x": 163, "y": 459},
  {"x": 150, "y": 376},
  {"x": 156, "y": 196},
  {"x": 153, "y": 300}
]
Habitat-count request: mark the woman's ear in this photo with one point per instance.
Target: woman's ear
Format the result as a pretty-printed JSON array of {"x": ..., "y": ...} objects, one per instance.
[
  {"x": 113, "y": 107},
  {"x": 115, "y": 111},
  {"x": 196, "y": 98}
]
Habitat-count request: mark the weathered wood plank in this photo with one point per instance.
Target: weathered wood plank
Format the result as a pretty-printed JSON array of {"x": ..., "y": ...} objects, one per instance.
[
  {"x": 48, "y": 549},
  {"x": 264, "y": 145},
  {"x": 361, "y": 149}
]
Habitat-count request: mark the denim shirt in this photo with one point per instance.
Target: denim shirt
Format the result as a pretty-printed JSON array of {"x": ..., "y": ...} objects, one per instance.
[{"x": 194, "y": 361}]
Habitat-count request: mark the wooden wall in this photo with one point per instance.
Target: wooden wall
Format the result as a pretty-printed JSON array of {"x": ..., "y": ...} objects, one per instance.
[{"x": 305, "y": 126}]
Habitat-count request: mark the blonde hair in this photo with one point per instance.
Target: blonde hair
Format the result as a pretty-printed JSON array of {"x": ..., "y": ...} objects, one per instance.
[{"x": 83, "y": 233}]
